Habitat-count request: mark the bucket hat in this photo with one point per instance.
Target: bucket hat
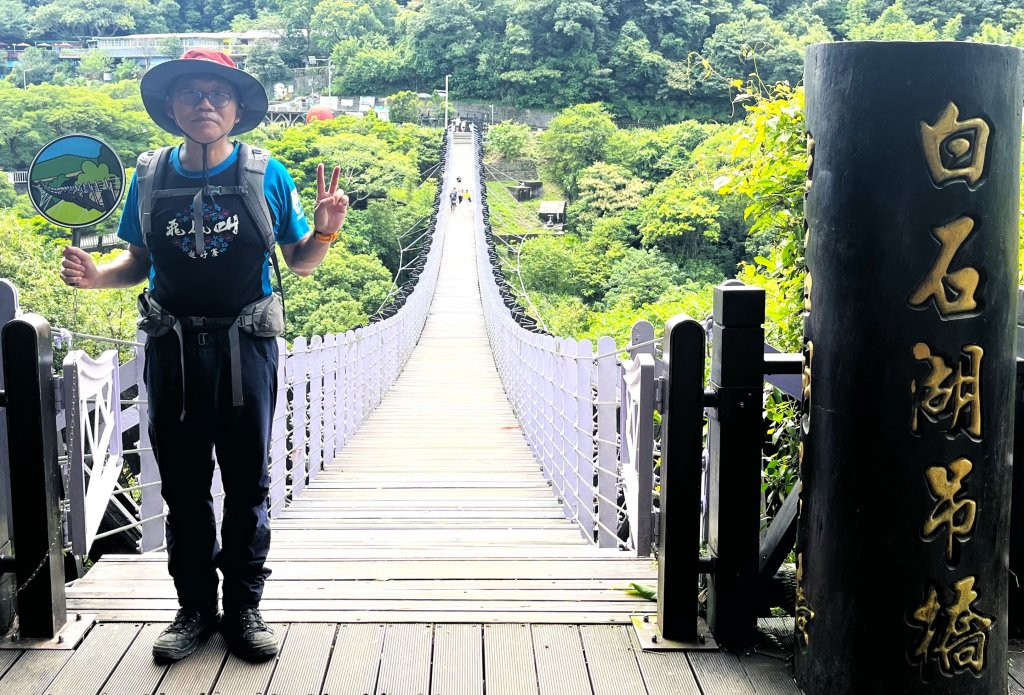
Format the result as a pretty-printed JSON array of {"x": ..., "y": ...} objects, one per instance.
[{"x": 158, "y": 81}]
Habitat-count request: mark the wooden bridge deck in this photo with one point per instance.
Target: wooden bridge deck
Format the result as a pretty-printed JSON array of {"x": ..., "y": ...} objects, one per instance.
[{"x": 430, "y": 557}]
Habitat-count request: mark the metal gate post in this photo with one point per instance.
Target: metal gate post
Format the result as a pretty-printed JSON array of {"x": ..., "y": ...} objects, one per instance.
[
  {"x": 736, "y": 434},
  {"x": 682, "y": 443},
  {"x": 35, "y": 475}
]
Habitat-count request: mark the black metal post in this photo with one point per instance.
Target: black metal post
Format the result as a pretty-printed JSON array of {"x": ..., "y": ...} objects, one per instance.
[
  {"x": 35, "y": 475},
  {"x": 912, "y": 215},
  {"x": 682, "y": 441},
  {"x": 736, "y": 434}
]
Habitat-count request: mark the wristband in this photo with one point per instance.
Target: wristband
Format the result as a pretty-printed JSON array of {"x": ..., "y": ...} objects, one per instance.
[{"x": 324, "y": 238}]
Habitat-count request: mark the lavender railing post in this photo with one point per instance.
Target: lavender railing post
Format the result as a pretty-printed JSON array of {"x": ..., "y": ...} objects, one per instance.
[
  {"x": 351, "y": 383},
  {"x": 279, "y": 436},
  {"x": 607, "y": 454},
  {"x": 584, "y": 440},
  {"x": 535, "y": 400},
  {"x": 548, "y": 410},
  {"x": 329, "y": 360},
  {"x": 340, "y": 349},
  {"x": 567, "y": 406},
  {"x": 361, "y": 376},
  {"x": 638, "y": 457},
  {"x": 297, "y": 371},
  {"x": 152, "y": 505},
  {"x": 316, "y": 403}
]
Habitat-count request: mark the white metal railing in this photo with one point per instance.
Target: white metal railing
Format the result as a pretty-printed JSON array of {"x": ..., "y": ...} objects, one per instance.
[
  {"x": 567, "y": 397},
  {"x": 327, "y": 386}
]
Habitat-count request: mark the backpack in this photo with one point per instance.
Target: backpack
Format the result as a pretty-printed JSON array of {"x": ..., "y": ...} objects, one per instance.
[{"x": 252, "y": 167}]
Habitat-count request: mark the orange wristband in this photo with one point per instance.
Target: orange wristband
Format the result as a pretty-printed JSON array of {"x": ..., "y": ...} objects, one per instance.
[{"x": 324, "y": 238}]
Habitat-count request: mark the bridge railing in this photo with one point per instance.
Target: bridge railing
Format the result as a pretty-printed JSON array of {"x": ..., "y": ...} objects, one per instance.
[
  {"x": 574, "y": 399},
  {"x": 327, "y": 386}
]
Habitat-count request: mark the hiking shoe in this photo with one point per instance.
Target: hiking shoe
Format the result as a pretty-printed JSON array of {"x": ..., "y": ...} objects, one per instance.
[
  {"x": 248, "y": 636},
  {"x": 187, "y": 631}
]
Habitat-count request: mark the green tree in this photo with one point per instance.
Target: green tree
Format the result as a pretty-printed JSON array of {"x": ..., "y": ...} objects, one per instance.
[
  {"x": 404, "y": 107},
  {"x": 199, "y": 15},
  {"x": 86, "y": 18},
  {"x": 36, "y": 66},
  {"x": 769, "y": 169},
  {"x": 127, "y": 69},
  {"x": 756, "y": 44},
  {"x": 342, "y": 294},
  {"x": 169, "y": 47},
  {"x": 264, "y": 61},
  {"x": 337, "y": 20},
  {"x": 995, "y": 33},
  {"x": 15, "y": 20},
  {"x": 31, "y": 118},
  {"x": 562, "y": 266},
  {"x": 640, "y": 277},
  {"x": 95, "y": 64},
  {"x": 506, "y": 140},
  {"x": 444, "y": 39},
  {"x": 576, "y": 138},
  {"x": 31, "y": 262},
  {"x": 894, "y": 24},
  {"x": 369, "y": 65},
  {"x": 605, "y": 190}
]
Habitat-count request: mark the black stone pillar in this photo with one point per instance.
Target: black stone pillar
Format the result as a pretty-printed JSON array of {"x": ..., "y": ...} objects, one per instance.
[{"x": 912, "y": 212}]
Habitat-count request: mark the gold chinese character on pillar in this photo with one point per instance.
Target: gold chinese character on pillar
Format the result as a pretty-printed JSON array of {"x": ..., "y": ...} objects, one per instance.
[
  {"x": 955, "y": 515},
  {"x": 804, "y": 614},
  {"x": 952, "y": 291},
  {"x": 954, "y": 635},
  {"x": 955, "y": 150},
  {"x": 805, "y": 383},
  {"x": 952, "y": 392}
]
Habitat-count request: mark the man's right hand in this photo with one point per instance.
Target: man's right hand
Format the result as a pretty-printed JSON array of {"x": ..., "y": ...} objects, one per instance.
[{"x": 78, "y": 269}]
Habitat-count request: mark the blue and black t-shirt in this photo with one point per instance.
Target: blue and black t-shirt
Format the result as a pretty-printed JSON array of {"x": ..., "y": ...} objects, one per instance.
[{"x": 234, "y": 269}]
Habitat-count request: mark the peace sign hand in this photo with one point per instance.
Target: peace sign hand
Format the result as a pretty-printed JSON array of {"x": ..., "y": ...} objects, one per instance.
[{"x": 331, "y": 203}]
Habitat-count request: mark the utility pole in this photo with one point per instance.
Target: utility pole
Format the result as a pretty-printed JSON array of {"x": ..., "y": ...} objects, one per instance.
[{"x": 446, "y": 101}]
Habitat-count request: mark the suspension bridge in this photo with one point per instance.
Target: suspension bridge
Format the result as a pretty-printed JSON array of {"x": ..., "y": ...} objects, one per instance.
[{"x": 457, "y": 507}]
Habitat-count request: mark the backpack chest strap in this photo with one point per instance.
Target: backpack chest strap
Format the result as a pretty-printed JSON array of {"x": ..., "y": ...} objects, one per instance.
[{"x": 189, "y": 192}]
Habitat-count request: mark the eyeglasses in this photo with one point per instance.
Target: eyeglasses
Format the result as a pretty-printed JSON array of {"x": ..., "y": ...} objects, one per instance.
[{"x": 194, "y": 97}]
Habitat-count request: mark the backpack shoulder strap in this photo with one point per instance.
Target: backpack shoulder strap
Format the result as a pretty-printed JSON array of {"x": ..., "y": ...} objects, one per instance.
[
  {"x": 147, "y": 169},
  {"x": 252, "y": 169}
]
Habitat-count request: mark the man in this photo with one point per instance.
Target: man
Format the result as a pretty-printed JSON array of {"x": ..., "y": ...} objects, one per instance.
[{"x": 200, "y": 245}]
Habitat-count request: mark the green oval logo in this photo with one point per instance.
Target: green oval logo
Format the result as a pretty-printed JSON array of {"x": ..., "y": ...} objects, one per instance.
[{"x": 76, "y": 181}]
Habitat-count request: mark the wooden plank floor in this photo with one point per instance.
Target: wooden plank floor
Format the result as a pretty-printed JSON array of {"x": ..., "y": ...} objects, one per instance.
[
  {"x": 398, "y": 659},
  {"x": 430, "y": 557}
]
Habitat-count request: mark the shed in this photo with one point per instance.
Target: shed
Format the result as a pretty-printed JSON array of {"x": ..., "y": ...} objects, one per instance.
[
  {"x": 552, "y": 212},
  {"x": 520, "y": 193}
]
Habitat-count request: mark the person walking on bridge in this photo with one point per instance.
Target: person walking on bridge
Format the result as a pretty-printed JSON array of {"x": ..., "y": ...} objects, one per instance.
[{"x": 201, "y": 221}]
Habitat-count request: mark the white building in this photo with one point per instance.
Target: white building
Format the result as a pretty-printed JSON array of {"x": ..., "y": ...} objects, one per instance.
[{"x": 147, "y": 49}]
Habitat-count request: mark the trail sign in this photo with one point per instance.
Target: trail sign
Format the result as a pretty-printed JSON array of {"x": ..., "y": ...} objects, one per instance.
[{"x": 76, "y": 181}]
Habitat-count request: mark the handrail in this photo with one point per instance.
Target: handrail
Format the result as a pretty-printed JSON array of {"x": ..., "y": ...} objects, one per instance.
[{"x": 566, "y": 396}]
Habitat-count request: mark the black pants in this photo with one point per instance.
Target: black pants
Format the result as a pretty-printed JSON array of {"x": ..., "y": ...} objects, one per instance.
[{"x": 184, "y": 454}]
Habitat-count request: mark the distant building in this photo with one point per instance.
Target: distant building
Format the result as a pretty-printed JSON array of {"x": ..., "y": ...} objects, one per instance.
[{"x": 146, "y": 49}]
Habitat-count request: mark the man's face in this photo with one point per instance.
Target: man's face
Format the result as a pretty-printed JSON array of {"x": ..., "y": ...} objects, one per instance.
[{"x": 206, "y": 108}]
